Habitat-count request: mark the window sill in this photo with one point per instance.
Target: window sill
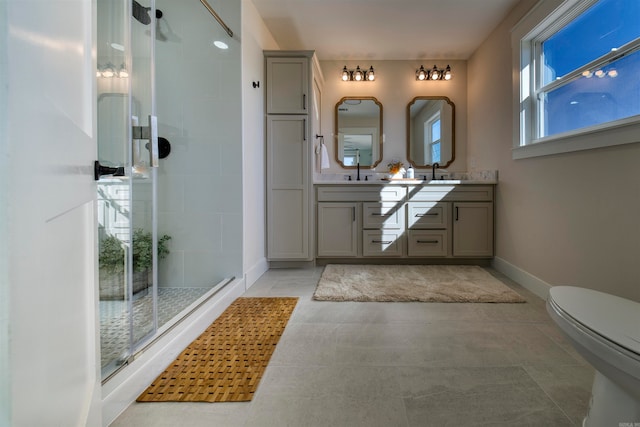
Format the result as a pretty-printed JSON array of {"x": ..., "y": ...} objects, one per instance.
[{"x": 627, "y": 132}]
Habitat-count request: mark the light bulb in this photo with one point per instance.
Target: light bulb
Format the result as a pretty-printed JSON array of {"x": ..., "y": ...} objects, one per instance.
[
  {"x": 123, "y": 73},
  {"x": 421, "y": 74},
  {"x": 345, "y": 74},
  {"x": 447, "y": 73},
  {"x": 371, "y": 76},
  {"x": 435, "y": 73},
  {"x": 357, "y": 74},
  {"x": 108, "y": 71}
]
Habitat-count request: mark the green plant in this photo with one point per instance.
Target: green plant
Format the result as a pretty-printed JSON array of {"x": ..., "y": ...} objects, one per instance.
[
  {"x": 111, "y": 255},
  {"x": 142, "y": 243},
  {"x": 112, "y": 251}
]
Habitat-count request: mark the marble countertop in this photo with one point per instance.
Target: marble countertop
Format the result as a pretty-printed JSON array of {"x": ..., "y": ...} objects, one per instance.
[
  {"x": 410, "y": 182},
  {"x": 489, "y": 177}
]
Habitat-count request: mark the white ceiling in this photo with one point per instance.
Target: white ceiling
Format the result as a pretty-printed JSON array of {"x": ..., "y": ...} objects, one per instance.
[{"x": 383, "y": 29}]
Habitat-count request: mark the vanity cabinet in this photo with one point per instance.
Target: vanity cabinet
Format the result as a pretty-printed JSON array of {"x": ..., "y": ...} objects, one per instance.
[
  {"x": 397, "y": 221},
  {"x": 292, "y": 82},
  {"x": 338, "y": 228},
  {"x": 473, "y": 229}
]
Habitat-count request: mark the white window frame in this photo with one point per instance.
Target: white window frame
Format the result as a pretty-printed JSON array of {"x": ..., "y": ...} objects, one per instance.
[
  {"x": 429, "y": 141},
  {"x": 544, "y": 19}
]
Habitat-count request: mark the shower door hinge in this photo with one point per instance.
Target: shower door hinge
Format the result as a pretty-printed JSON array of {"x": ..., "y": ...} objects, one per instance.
[{"x": 140, "y": 132}]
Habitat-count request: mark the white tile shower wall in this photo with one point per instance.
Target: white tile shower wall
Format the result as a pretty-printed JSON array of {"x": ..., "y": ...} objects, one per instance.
[{"x": 199, "y": 112}]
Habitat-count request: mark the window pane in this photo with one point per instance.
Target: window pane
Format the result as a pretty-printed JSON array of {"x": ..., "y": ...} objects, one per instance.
[
  {"x": 435, "y": 153},
  {"x": 608, "y": 94},
  {"x": 608, "y": 24},
  {"x": 435, "y": 130}
]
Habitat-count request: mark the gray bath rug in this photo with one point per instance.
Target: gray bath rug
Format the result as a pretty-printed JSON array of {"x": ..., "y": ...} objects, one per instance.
[{"x": 425, "y": 283}]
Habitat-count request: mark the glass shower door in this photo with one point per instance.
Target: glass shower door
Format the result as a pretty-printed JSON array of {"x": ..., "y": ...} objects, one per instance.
[
  {"x": 127, "y": 143},
  {"x": 144, "y": 161}
]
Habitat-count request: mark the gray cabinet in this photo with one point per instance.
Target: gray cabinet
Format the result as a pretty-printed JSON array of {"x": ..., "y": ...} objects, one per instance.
[
  {"x": 287, "y": 85},
  {"x": 338, "y": 228},
  {"x": 287, "y": 207},
  {"x": 290, "y": 213},
  {"x": 428, "y": 229},
  {"x": 473, "y": 229},
  {"x": 430, "y": 221}
]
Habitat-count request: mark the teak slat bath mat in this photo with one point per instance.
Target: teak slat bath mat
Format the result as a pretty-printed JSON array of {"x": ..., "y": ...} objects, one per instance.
[{"x": 226, "y": 362}]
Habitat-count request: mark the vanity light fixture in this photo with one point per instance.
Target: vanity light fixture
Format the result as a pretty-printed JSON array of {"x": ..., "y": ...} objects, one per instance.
[
  {"x": 433, "y": 74},
  {"x": 358, "y": 75}
]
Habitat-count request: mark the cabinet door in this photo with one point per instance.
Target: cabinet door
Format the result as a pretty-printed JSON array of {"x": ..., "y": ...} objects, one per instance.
[
  {"x": 287, "y": 85},
  {"x": 338, "y": 229},
  {"x": 287, "y": 188},
  {"x": 473, "y": 229}
]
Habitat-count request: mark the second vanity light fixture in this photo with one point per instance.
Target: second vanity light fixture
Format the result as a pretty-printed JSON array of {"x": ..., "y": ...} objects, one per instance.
[
  {"x": 434, "y": 74},
  {"x": 358, "y": 75}
]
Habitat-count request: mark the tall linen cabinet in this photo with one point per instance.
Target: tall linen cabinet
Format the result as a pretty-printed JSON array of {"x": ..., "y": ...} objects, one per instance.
[{"x": 293, "y": 99}]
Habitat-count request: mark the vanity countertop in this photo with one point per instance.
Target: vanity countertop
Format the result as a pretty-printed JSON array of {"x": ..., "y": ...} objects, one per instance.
[
  {"x": 450, "y": 178},
  {"x": 411, "y": 182}
]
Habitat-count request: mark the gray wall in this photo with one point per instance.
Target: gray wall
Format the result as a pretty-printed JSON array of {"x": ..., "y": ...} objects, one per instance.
[{"x": 570, "y": 219}]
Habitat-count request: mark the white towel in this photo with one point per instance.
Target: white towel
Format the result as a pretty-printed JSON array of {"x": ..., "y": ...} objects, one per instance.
[{"x": 324, "y": 157}]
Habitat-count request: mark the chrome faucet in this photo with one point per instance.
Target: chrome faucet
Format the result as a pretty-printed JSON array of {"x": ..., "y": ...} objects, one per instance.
[{"x": 433, "y": 170}]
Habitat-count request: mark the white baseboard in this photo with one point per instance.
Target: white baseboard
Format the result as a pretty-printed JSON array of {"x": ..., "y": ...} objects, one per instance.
[
  {"x": 527, "y": 280},
  {"x": 255, "y": 272},
  {"x": 123, "y": 389}
]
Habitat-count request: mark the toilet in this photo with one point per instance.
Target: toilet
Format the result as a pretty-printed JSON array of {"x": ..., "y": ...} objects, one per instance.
[{"x": 605, "y": 330}]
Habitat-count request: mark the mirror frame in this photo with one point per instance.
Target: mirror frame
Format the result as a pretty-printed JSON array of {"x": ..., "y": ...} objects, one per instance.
[
  {"x": 453, "y": 130},
  {"x": 336, "y": 132}
]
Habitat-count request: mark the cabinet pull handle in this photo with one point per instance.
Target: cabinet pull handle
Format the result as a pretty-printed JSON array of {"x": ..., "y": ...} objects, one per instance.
[
  {"x": 386, "y": 242},
  {"x": 427, "y": 241},
  {"x": 420, "y": 215},
  {"x": 456, "y": 213},
  {"x": 304, "y": 101},
  {"x": 353, "y": 218},
  {"x": 304, "y": 129},
  {"x": 378, "y": 214}
]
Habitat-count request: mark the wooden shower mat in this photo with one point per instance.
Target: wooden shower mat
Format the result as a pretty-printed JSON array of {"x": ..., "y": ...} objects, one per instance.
[{"x": 226, "y": 362}]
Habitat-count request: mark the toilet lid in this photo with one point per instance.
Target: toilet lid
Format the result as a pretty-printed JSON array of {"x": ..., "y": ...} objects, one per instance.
[{"x": 614, "y": 318}]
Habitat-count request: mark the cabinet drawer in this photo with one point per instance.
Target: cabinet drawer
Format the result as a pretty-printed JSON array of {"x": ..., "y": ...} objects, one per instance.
[
  {"x": 428, "y": 243},
  {"x": 439, "y": 193},
  {"x": 383, "y": 215},
  {"x": 360, "y": 193},
  {"x": 382, "y": 243},
  {"x": 427, "y": 215}
]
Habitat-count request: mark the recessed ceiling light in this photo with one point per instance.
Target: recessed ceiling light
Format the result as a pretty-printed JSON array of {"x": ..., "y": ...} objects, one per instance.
[
  {"x": 221, "y": 45},
  {"x": 117, "y": 46}
]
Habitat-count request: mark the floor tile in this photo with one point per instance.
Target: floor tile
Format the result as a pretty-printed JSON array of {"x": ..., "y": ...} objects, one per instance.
[{"x": 401, "y": 364}]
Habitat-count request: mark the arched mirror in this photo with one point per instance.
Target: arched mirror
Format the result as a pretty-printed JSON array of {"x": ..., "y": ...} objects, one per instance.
[
  {"x": 431, "y": 131},
  {"x": 358, "y": 132}
]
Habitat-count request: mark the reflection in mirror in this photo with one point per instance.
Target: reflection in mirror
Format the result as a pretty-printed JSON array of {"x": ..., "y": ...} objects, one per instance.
[
  {"x": 430, "y": 131},
  {"x": 358, "y": 132}
]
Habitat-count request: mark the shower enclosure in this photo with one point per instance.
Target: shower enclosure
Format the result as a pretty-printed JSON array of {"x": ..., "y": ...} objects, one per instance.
[{"x": 169, "y": 216}]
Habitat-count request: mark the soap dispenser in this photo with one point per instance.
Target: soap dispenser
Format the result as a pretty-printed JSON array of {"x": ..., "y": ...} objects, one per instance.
[{"x": 410, "y": 173}]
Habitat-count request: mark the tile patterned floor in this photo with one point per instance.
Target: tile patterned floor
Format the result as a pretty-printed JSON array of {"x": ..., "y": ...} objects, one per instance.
[
  {"x": 114, "y": 319},
  {"x": 401, "y": 364}
]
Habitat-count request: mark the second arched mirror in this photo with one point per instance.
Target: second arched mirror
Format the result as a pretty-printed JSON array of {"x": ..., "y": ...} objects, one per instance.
[
  {"x": 358, "y": 132},
  {"x": 431, "y": 131}
]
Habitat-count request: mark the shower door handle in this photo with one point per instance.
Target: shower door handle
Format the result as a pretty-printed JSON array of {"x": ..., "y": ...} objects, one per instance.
[
  {"x": 153, "y": 140},
  {"x": 149, "y": 133}
]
